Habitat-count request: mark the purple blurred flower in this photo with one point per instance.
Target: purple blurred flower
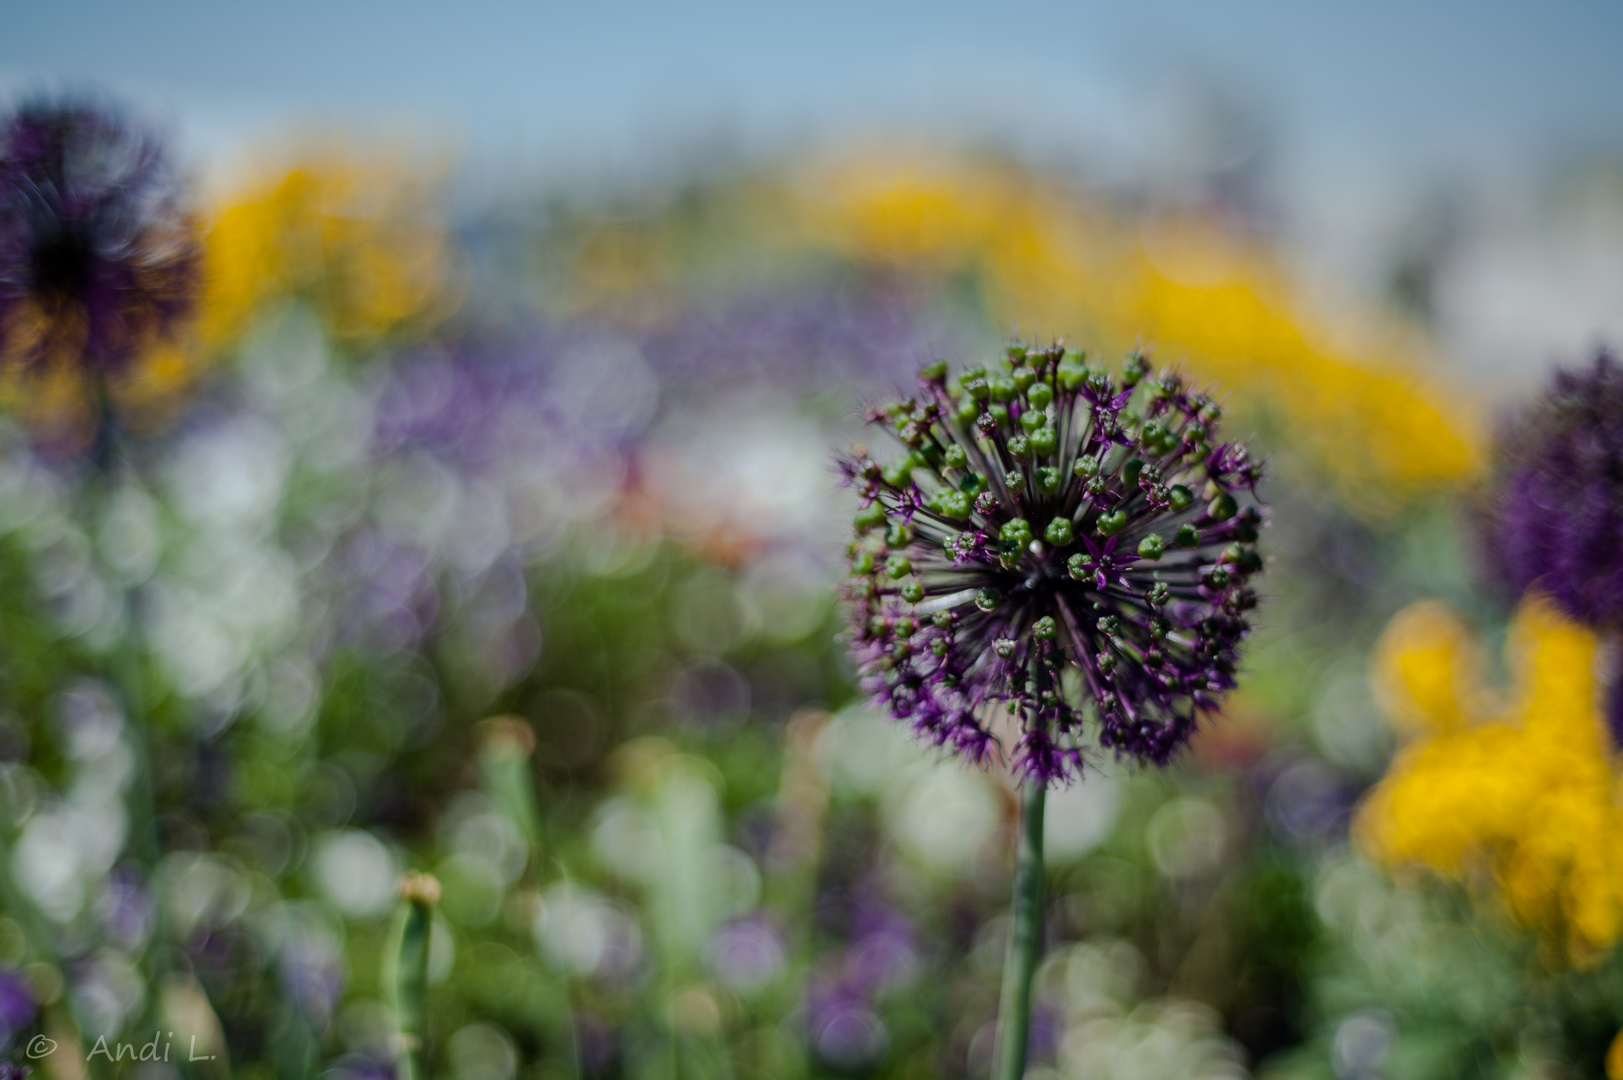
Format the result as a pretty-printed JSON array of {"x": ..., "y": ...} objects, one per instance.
[
  {"x": 746, "y": 954},
  {"x": 360, "y": 1067},
  {"x": 1021, "y": 535},
  {"x": 125, "y": 909},
  {"x": 312, "y": 968},
  {"x": 1556, "y": 521},
  {"x": 882, "y": 951},
  {"x": 842, "y": 1029},
  {"x": 821, "y": 337},
  {"x": 17, "y": 1005},
  {"x": 98, "y": 255}
]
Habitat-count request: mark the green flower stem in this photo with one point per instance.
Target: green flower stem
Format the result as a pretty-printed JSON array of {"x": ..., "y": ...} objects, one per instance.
[
  {"x": 421, "y": 892},
  {"x": 1025, "y": 941}
]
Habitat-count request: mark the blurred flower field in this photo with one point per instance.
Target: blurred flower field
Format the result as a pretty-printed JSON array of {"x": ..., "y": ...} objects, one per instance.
[{"x": 504, "y": 542}]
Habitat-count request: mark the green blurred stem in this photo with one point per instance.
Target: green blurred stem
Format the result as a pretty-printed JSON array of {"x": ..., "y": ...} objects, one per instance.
[
  {"x": 1025, "y": 941},
  {"x": 411, "y": 972}
]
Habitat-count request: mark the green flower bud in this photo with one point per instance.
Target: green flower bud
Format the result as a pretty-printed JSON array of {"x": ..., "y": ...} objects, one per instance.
[
  {"x": 1071, "y": 376},
  {"x": 1106, "y": 662},
  {"x": 1109, "y": 625},
  {"x": 1130, "y": 471},
  {"x": 1047, "y": 477},
  {"x": 1080, "y": 566},
  {"x": 1023, "y": 378},
  {"x": 939, "y": 647},
  {"x": 988, "y": 599},
  {"x": 999, "y": 413},
  {"x": 905, "y": 627},
  {"x": 1223, "y": 507},
  {"x": 1004, "y": 647},
  {"x": 943, "y": 620},
  {"x": 976, "y": 386},
  {"x": 1016, "y": 532},
  {"x": 863, "y": 563},
  {"x": 901, "y": 650},
  {"x": 1020, "y": 448},
  {"x": 1032, "y": 419},
  {"x": 1158, "y": 594},
  {"x": 912, "y": 592},
  {"x": 1151, "y": 547},
  {"x": 1218, "y": 577},
  {"x": 953, "y": 505},
  {"x": 1134, "y": 368},
  {"x": 899, "y": 534},
  {"x": 968, "y": 410},
  {"x": 1041, "y": 395},
  {"x": 1180, "y": 497},
  {"x": 869, "y": 517},
  {"x": 1086, "y": 466},
  {"x": 934, "y": 371},
  {"x": 1188, "y": 536},
  {"x": 1043, "y": 441},
  {"x": 1045, "y": 628},
  {"x": 1003, "y": 388},
  {"x": 1112, "y": 522},
  {"x": 1058, "y": 532},
  {"x": 898, "y": 566},
  {"x": 956, "y": 457}
]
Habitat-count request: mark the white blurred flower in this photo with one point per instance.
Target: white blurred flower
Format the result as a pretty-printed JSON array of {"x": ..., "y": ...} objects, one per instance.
[{"x": 357, "y": 872}]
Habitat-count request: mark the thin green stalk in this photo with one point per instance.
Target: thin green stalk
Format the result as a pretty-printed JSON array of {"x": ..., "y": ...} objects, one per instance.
[
  {"x": 1025, "y": 941},
  {"x": 421, "y": 892}
]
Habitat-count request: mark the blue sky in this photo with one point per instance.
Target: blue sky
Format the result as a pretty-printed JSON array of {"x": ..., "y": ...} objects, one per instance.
[{"x": 1431, "y": 85}]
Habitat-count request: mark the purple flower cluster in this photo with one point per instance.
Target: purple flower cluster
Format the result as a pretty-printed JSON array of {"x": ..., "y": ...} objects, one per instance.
[
  {"x": 1559, "y": 513},
  {"x": 98, "y": 255},
  {"x": 1557, "y": 517},
  {"x": 1059, "y": 545}
]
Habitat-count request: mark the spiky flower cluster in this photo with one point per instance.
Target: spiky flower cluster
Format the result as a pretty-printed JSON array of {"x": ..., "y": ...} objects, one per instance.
[
  {"x": 97, "y": 253},
  {"x": 1058, "y": 546},
  {"x": 1557, "y": 518}
]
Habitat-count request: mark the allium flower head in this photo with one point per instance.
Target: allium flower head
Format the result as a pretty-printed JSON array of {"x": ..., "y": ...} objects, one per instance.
[
  {"x": 97, "y": 254},
  {"x": 1066, "y": 546},
  {"x": 1558, "y": 516}
]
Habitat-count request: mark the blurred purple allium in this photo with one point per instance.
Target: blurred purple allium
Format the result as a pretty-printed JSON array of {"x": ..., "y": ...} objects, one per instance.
[
  {"x": 125, "y": 909},
  {"x": 98, "y": 254},
  {"x": 842, "y": 1029},
  {"x": 746, "y": 954},
  {"x": 17, "y": 1005},
  {"x": 312, "y": 969},
  {"x": 1059, "y": 544},
  {"x": 360, "y": 1067},
  {"x": 1556, "y": 519},
  {"x": 883, "y": 951}
]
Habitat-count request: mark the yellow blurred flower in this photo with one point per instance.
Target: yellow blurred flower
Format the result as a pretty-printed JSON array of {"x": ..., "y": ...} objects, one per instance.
[
  {"x": 1519, "y": 798},
  {"x": 1049, "y": 262},
  {"x": 361, "y": 240}
]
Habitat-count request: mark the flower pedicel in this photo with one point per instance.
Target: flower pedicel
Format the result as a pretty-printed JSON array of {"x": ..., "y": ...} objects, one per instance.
[{"x": 1064, "y": 548}]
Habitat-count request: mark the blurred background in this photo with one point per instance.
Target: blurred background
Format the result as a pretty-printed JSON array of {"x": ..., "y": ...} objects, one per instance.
[{"x": 482, "y": 522}]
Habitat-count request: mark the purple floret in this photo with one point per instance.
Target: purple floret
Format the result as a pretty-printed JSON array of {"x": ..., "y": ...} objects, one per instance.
[
  {"x": 1556, "y": 522},
  {"x": 1064, "y": 547},
  {"x": 98, "y": 255}
]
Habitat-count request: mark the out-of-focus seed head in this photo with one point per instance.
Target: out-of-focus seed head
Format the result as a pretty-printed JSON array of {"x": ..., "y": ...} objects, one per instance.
[{"x": 1059, "y": 545}]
